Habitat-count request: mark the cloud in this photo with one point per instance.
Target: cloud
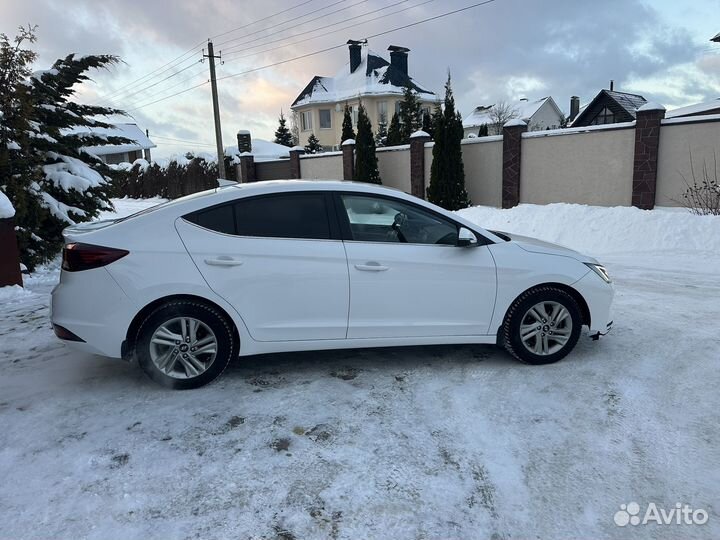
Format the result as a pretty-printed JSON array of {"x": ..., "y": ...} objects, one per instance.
[{"x": 501, "y": 51}]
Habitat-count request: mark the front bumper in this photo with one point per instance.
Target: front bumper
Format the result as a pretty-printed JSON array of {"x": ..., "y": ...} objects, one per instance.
[
  {"x": 598, "y": 335},
  {"x": 599, "y": 296}
]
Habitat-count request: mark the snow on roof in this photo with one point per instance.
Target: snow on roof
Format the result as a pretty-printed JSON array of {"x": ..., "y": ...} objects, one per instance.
[
  {"x": 483, "y": 114},
  {"x": 262, "y": 150},
  {"x": 374, "y": 76},
  {"x": 695, "y": 109},
  {"x": 6, "y": 207},
  {"x": 126, "y": 130}
]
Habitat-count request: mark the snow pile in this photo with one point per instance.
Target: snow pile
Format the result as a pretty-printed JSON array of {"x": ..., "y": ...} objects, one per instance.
[
  {"x": 71, "y": 173},
  {"x": 11, "y": 294},
  {"x": 6, "y": 207},
  {"x": 594, "y": 229}
]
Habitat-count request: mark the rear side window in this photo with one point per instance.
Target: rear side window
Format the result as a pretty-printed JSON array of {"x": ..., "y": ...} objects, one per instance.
[
  {"x": 220, "y": 219},
  {"x": 295, "y": 215},
  {"x": 292, "y": 215}
]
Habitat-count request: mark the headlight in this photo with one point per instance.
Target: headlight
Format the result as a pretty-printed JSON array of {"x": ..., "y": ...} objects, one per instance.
[{"x": 600, "y": 270}]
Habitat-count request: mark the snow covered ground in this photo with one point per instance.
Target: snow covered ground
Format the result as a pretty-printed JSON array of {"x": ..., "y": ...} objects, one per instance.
[{"x": 435, "y": 442}]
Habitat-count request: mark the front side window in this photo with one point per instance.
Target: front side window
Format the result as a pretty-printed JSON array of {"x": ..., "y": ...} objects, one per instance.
[
  {"x": 375, "y": 219},
  {"x": 285, "y": 215},
  {"x": 325, "y": 119},
  {"x": 306, "y": 120}
]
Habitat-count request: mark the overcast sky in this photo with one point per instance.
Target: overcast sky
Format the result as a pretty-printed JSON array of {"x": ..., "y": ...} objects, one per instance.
[{"x": 504, "y": 50}]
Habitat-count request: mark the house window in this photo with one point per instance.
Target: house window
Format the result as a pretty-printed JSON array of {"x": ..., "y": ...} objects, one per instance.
[
  {"x": 354, "y": 113},
  {"x": 382, "y": 111},
  {"x": 605, "y": 116},
  {"x": 397, "y": 108},
  {"x": 306, "y": 121},
  {"x": 325, "y": 119}
]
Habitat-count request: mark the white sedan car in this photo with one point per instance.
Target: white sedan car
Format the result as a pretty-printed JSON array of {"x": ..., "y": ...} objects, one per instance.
[{"x": 188, "y": 285}]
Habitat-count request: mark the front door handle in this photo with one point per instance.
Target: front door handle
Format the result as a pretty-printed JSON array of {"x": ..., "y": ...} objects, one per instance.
[
  {"x": 223, "y": 261},
  {"x": 372, "y": 266}
]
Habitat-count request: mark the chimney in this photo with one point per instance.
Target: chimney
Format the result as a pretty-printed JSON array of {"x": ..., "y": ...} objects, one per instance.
[
  {"x": 523, "y": 99},
  {"x": 574, "y": 107},
  {"x": 612, "y": 85},
  {"x": 399, "y": 57},
  {"x": 355, "y": 57},
  {"x": 244, "y": 141}
]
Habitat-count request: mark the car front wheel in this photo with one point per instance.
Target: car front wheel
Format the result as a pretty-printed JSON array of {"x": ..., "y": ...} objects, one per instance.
[
  {"x": 542, "y": 326},
  {"x": 185, "y": 344}
]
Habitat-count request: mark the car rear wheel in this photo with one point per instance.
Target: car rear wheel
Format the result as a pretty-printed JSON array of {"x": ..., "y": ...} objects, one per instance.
[
  {"x": 542, "y": 326},
  {"x": 185, "y": 344}
]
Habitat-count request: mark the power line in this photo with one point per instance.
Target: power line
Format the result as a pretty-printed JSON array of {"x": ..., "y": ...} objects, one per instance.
[
  {"x": 145, "y": 89},
  {"x": 170, "y": 96},
  {"x": 152, "y": 74},
  {"x": 228, "y": 49},
  {"x": 168, "y": 139},
  {"x": 327, "y": 49},
  {"x": 294, "y": 21},
  {"x": 410, "y": 25},
  {"x": 235, "y": 58}
]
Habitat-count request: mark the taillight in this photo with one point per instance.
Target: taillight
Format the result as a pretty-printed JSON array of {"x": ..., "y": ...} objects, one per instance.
[{"x": 77, "y": 256}]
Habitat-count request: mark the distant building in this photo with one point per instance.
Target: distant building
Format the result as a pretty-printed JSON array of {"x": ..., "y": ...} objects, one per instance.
[
  {"x": 366, "y": 78},
  {"x": 699, "y": 109},
  {"x": 540, "y": 114},
  {"x": 112, "y": 154},
  {"x": 608, "y": 107}
]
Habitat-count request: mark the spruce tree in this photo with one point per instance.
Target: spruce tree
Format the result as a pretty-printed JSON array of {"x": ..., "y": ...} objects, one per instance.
[
  {"x": 366, "y": 163},
  {"x": 394, "y": 137},
  {"x": 483, "y": 132},
  {"x": 282, "y": 133},
  {"x": 410, "y": 114},
  {"x": 347, "y": 127},
  {"x": 427, "y": 124},
  {"x": 313, "y": 146},
  {"x": 447, "y": 173},
  {"x": 381, "y": 135},
  {"x": 54, "y": 183}
]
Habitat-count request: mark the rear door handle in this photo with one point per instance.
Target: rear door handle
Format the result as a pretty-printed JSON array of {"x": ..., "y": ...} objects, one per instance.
[
  {"x": 372, "y": 267},
  {"x": 223, "y": 261}
]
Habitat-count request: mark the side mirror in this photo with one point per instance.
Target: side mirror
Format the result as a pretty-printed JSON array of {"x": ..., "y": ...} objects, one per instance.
[{"x": 466, "y": 238}]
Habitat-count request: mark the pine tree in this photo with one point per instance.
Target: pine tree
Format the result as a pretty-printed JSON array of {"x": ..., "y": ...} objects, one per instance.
[
  {"x": 54, "y": 183},
  {"x": 347, "y": 127},
  {"x": 393, "y": 135},
  {"x": 282, "y": 134},
  {"x": 313, "y": 146},
  {"x": 366, "y": 163},
  {"x": 410, "y": 114},
  {"x": 483, "y": 132},
  {"x": 447, "y": 173}
]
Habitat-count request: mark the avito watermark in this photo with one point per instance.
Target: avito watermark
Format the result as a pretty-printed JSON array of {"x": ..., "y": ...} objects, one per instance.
[{"x": 680, "y": 514}]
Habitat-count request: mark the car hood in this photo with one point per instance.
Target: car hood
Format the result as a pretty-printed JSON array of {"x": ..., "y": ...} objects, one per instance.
[{"x": 535, "y": 245}]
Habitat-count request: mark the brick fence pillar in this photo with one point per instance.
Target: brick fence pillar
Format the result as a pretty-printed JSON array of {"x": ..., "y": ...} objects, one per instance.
[
  {"x": 512, "y": 143},
  {"x": 10, "y": 259},
  {"x": 246, "y": 168},
  {"x": 295, "y": 153},
  {"x": 348, "y": 151},
  {"x": 417, "y": 163},
  {"x": 647, "y": 140}
]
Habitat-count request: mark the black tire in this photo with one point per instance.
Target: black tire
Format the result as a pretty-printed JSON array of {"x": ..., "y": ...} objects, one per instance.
[
  {"x": 227, "y": 345},
  {"x": 517, "y": 313}
]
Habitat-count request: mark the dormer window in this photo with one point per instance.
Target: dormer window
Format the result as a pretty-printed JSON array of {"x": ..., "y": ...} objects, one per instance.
[{"x": 605, "y": 116}]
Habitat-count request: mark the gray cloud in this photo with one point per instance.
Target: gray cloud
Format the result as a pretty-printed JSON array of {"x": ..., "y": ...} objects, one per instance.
[{"x": 504, "y": 50}]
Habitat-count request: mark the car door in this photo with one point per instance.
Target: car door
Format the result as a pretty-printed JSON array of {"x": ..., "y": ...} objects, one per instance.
[
  {"x": 278, "y": 259},
  {"x": 408, "y": 277}
]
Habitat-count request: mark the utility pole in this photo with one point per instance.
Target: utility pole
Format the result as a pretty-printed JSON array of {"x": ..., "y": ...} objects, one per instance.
[{"x": 216, "y": 110}]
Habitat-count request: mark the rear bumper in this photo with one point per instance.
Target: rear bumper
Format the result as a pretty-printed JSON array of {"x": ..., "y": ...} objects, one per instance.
[{"x": 91, "y": 306}]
